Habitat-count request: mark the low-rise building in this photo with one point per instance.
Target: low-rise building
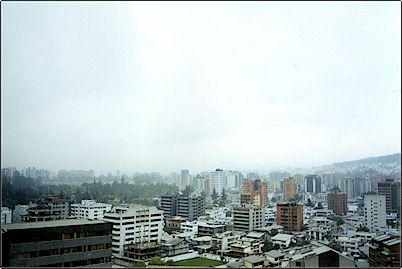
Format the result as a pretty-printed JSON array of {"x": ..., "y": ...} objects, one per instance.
[
  {"x": 48, "y": 207},
  {"x": 253, "y": 261},
  {"x": 283, "y": 240},
  {"x": 384, "y": 251},
  {"x": 210, "y": 229},
  {"x": 349, "y": 246},
  {"x": 141, "y": 252},
  {"x": 175, "y": 223},
  {"x": 18, "y": 213},
  {"x": 189, "y": 227},
  {"x": 6, "y": 215},
  {"x": 315, "y": 256},
  {"x": 175, "y": 247},
  {"x": 274, "y": 258},
  {"x": 90, "y": 209},
  {"x": 223, "y": 241}
]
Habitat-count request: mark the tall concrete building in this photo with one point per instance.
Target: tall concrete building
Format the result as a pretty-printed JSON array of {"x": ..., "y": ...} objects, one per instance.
[
  {"x": 218, "y": 181},
  {"x": 289, "y": 188},
  {"x": 290, "y": 216},
  {"x": 248, "y": 218},
  {"x": 184, "y": 178},
  {"x": 257, "y": 187},
  {"x": 312, "y": 184},
  {"x": 169, "y": 206},
  {"x": 374, "y": 212},
  {"x": 135, "y": 224},
  {"x": 58, "y": 243},
  {"x": 338, "y": 202},
  {"x": 190, "y": 207},
  {"x": 179, "y": 205},
  {"x": 391, "y": 190}
]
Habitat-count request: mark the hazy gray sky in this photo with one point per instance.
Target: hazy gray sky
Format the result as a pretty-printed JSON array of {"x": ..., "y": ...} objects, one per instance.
[{"x": 164, "y": 86}]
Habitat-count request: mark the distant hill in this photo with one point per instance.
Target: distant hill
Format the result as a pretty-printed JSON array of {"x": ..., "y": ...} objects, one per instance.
[
  {"x": 387, "y": 159},
  {"x": 388, "y": 164}
]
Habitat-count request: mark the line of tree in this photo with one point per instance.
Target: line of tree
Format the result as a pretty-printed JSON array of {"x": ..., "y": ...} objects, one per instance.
[{"x": 22, "y": 190}]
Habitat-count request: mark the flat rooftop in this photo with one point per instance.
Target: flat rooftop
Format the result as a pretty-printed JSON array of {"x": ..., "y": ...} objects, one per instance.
[{"x": 48, "y": 224}]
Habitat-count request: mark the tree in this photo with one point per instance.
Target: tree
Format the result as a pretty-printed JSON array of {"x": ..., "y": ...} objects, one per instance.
[
  {"x": 224, "y": 196},
  {"x": 268, "y": 246},
  {"x": 309, "y": 203},
  {"x": 273, "y": 200},
  {"x": 274, "y": 232},
  {"x": 156, "y": 261},
  {"x": 362, "y": 228},
  {"x": 170, "y": 263},
  {"x": 319, "y": 206},
  {"x": 336, "y": 246},
  {"x": 214, "y": 196}
]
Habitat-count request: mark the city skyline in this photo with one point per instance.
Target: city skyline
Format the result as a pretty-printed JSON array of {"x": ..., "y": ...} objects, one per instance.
[{"x": 168, "y": 86}]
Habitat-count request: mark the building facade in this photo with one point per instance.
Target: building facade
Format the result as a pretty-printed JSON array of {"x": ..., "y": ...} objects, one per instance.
[
  {"x": 338, "y": 202},
  {"x": 312, "y": 184},
  {"x": 248, "y": 218},
  {"x": 6, "y": 215},
  {"x": 59, "y": 243},
  {"x": 90, "y": 209},
  {"x": 391, "y": 190},
  {"x": 384, "y": 251},
  {"x": 374, "y": 212},
  {"x": 290, "y": 216},
  {"x": 289, "y": 188},
  {"x": 256, "y": 188},
  {"x": 48, "y": 208},
  {"x": 218, "y": 181},
  {"x": 136, "y": 224}
]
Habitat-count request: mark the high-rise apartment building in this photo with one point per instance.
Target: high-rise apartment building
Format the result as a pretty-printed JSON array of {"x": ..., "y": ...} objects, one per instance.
[
  {"x": 169, "y": 206},
  {"x": 179, "y": 205},
  {"x": 90, "y": 209},
  {"x": 290, "y": 216},
  {"x": 375, "y": 212},
  {"x": 184, "y": 178},
  {"x": 218, "y": 181},
  {"x": 248, "y": 218},
  {"x": 190, "y": 207},
  {"x": 391, "y": 190},
  {"x": 257, "y": 187},
  {"x": 136, "y": 224},
  {"x": 312, "y": 184},
  {"x": 338, "y": 202},
  {"x": 59, "y": 243},
  {"x": 289, "y": 188}
]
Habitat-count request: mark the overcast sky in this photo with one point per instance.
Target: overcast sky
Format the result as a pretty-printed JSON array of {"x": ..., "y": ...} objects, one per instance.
[{"x": 165, "y": 86}]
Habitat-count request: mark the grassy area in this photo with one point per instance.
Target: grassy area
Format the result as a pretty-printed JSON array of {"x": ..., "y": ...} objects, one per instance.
[{"x": 202, "y": 262}]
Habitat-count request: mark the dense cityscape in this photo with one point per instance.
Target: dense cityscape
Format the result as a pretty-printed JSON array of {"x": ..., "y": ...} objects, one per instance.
[
  {"x": 220, "y": 218},
  {"x": 239, "y": 134}
]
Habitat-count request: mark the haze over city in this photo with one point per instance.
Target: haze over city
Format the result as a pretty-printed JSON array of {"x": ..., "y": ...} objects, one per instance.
[{"x": 167, "y": 86}]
